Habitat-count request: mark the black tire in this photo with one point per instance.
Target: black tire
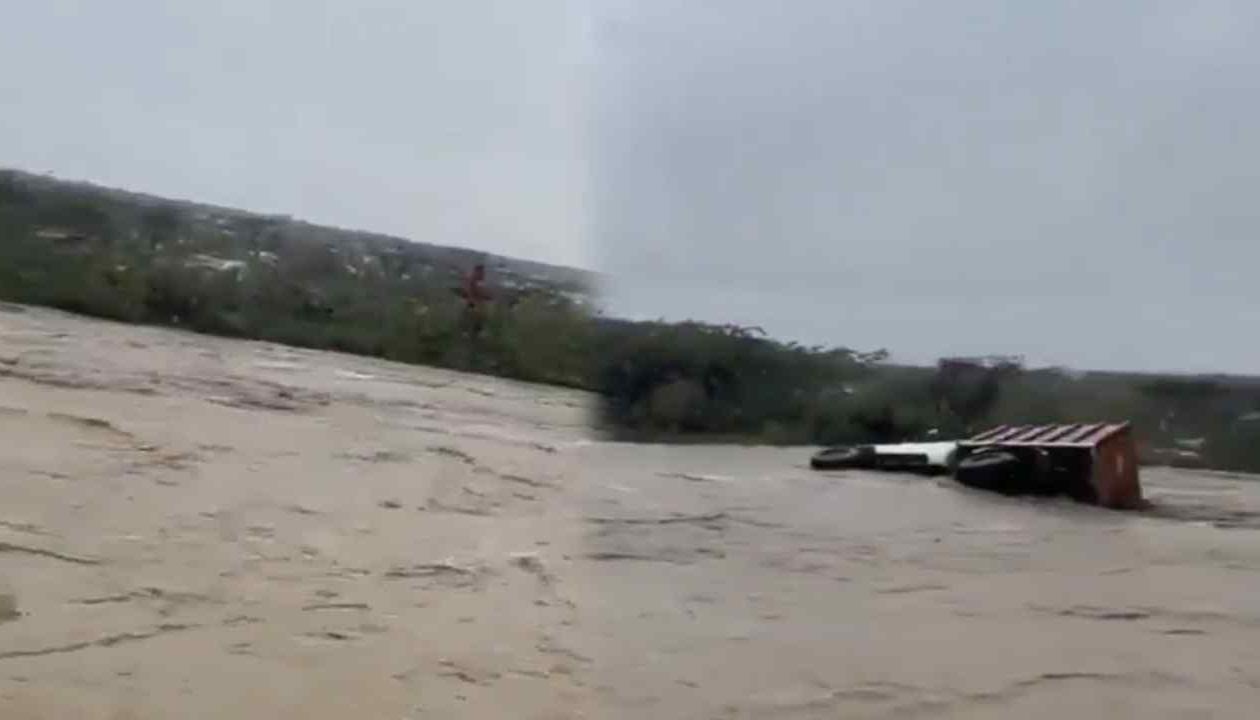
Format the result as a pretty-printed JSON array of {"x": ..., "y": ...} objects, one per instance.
[
  {"x": 843, "y": 457},
  {"x": 1007, "y": 471},
  {"x": 999, "y": 471}
]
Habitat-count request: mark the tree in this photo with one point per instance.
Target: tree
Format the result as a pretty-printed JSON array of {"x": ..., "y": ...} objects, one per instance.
[
  {"x": 160, "y": 227},
  {"x": 968, "y": 388}
]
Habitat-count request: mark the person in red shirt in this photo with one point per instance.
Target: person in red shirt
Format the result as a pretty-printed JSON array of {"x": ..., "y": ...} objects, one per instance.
[
  {"x": 475, "y": 297},
  {"x": 474, "y": 291}
]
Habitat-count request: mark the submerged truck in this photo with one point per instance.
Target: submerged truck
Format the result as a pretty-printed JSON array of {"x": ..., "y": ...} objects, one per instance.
[{"x": 1094, "y": 463}]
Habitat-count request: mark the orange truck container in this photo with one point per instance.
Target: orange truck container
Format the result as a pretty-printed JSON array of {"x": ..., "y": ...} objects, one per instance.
[{"x": 1092, "y": 462}]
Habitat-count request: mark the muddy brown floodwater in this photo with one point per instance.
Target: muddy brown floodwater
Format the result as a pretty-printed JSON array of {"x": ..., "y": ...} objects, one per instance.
[{"x": 195, "y": 527}]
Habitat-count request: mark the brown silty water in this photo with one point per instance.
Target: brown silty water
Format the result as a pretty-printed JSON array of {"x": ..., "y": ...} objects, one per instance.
[{"x": 197, "y": 527}]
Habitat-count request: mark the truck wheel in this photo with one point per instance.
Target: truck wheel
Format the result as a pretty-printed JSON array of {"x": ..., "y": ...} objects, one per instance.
[
  {"x": 843, "y": 457},
  {"x": 999, "y": 471}
]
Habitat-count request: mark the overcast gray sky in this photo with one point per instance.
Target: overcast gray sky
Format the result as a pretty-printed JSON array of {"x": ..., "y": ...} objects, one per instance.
[
  {"x": 1074, "y": 181},
  {"x": 458, "y": 122}
]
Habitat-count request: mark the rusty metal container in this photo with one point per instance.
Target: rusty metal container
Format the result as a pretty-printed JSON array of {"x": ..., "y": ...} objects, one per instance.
[{"x": 1092, "y": 462}]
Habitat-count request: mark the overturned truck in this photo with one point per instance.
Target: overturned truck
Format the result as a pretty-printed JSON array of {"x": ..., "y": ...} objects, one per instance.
[{"x": 1093, "y": 463}]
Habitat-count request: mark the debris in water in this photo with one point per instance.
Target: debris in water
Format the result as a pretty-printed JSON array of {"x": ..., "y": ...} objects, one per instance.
[
  {"x": 7, "y": 547},
  {"x": 428, "y": 570},
  {"x": 707, "y": 519},
  {"x": 8, "y": 608},
  {"x": 529, "y": 562}
]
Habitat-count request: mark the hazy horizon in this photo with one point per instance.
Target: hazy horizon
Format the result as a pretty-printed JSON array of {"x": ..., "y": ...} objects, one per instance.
[
  {"x": 269, "y": 212},
  {"x": 454, "y": 124},
  {"x": 1065, "y": 182}
]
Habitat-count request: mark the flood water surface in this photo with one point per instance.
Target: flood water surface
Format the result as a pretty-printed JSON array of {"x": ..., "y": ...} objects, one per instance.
[{"x": 197, "y": 527}]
